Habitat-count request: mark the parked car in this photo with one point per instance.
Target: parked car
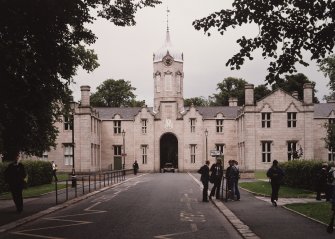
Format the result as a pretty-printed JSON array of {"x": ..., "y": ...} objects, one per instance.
[{"x": 168, "y": 167}]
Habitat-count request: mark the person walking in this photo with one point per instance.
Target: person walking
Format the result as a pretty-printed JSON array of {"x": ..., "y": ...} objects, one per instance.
[
  {"x": 216, "y": 177},
  {"x": 135, "y": 167},
  {"x": 321, "y": 181},
  {"x": 14, "y": 176},
  {"x": 276, "y": 175},
  {"x": 54, "y": 170},
  {"x": 204, "y": 171},
  {"x": 330, "y": 183}
]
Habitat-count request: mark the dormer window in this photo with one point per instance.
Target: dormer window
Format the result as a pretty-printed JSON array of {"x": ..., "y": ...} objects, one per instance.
[
  {"x": 292, "y": 119},
  {"x": 219, "y": 125},
  {"x": 266, "y": 120}
]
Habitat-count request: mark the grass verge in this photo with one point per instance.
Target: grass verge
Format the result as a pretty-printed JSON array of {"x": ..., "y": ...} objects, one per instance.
[
  {"x": 35, "y": 191},
  {"x": 264, "y": 188},
  {"x": 319, "y": 211}
]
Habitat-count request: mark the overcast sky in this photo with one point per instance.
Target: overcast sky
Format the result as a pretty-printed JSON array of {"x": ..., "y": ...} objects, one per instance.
[{"x": 126, "y": 52}]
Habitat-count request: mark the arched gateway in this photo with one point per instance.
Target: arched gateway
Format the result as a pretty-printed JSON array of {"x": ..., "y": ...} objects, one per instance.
[{"x": 169, "y": 150}]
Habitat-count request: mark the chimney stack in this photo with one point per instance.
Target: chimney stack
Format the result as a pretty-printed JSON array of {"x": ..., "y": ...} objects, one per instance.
[
  {"x": 308, "y": 93},
  {"x": 232, "y": 101},
  {"x": 249, "y": 94},
  {"x": 85, "y": 96}
]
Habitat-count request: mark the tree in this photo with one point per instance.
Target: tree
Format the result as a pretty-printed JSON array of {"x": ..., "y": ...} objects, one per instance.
[
  {"x": 295, "y": 83},
  {"x": 230, "y": 87},
  {"x": 261, "y": 91},
  {"x": 327, "y": 66},
  {"x": 197, "y": 101},
  {"x": 114, "y": 93},
  {"x": 286, "y": 28},
  {"x": 42, "y": 43}
]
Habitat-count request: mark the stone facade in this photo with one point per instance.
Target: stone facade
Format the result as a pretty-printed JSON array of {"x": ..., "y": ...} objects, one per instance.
[{"x": 254, "y": 134}]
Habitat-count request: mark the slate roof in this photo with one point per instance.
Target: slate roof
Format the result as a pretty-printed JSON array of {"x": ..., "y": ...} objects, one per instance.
[
  {"x": 210, "y": 112},
  {"x": 323, "y": 110},
  {"x": 129, "y": 113}
]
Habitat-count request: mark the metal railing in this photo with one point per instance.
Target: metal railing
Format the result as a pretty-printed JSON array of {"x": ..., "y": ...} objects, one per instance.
[{"x": 87, "y": 183}]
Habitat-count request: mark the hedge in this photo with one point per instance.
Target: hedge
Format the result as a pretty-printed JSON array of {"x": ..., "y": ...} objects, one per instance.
[
  {"x": 301, "y": 173},
  {"x": 39, "y": 172}
]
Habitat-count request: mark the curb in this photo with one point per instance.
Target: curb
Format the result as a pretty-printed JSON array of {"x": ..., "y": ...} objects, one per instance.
[
  {"x": 66, "y": 204},
  {"x": 242, "y": 228}
]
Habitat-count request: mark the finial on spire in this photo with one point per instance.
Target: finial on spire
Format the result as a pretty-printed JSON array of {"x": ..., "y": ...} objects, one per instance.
[{"x": 167, "y": 18}]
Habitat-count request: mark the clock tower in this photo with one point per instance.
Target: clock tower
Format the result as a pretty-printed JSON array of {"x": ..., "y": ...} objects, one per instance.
[{"x": 168, "y": 76}]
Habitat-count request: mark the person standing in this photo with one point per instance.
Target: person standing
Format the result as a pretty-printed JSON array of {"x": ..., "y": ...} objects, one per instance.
[
  {"x": 204, "y": 171},
  {"x": 54, "y": 171},
  {"x": 135, "y": 167},
  {"x": 276, "y": 175},
  {"x": 14, "y": 176},
  {"x": 321, "y": 181},
  {"x": 232, "y": 177},
  {"x": 237, "y": 191},
  {"x": 216, "y": 175}
]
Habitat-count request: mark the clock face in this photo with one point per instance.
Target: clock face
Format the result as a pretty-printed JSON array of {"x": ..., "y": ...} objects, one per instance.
[{"x": 168, "y": 61}]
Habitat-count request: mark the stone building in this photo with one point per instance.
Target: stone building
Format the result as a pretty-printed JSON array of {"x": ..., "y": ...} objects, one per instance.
[{"x": 275, "y": 127}]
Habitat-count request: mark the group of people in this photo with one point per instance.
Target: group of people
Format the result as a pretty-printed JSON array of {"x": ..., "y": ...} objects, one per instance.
[{"x": 214, "y": 175}]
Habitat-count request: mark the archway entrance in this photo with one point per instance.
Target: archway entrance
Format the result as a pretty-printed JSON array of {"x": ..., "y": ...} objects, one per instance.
[{"x": 169, "y": 150}]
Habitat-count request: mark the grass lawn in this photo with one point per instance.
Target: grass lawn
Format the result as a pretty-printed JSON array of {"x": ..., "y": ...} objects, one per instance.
[
  {"x": 35, "y": 191},
  {"x": 264, "y": 188},
  {"x": 260, "y": 175},
  {"x": 318, "y": 211}
]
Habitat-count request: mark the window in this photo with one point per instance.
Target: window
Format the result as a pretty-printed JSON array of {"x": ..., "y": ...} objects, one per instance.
[
  {"x": 291, "y": 119},
  {"x": 44, "y": 156},
  {"x": 266, "y": 151},
  {"x": 291, "y": 150},
  {"x": 219, "y": 125},
  {"x": 168, "y": 82},
  {"x": 192, "y": 121},
  {"x": 266, "y": 120},
  {"x": 193, "y": 146},
  {"x": 67, "y": 122},
  {"x": 117, "y": 150},
  {"x": 68, "y": 154},
  {"x": 144, "y": 126},
  {"x": 331, "y": 154},
  {"x": 117, "y": 127},
  {"x": 144, "y": 154},
  {"x": 220, "y": 147}
]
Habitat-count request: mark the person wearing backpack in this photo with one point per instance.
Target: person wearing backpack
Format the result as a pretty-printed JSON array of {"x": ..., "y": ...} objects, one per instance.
[
  {"x": 204, "y": 171},
  {"x": 276, "y": 175},
  {"x": 321, "y": 181},
  {"x": 330, "y": 183}
]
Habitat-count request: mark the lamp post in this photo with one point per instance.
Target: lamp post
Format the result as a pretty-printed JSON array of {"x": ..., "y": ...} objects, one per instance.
[
  {"x": 124, "y": 150},
  {"x": 206, "y": 134},
  {"x": 73, "y": 174}
]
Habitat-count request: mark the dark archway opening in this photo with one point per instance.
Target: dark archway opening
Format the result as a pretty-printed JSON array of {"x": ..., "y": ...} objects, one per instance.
[{"x": 169, "y": 150}]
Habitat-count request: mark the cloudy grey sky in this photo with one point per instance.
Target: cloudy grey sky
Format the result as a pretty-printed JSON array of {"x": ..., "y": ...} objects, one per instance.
[{"x": 126, "y": 53}]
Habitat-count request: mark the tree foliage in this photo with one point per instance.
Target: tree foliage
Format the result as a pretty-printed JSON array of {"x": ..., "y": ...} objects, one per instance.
[
  {"x": 286, "y": 28},
  {"x": 327, "y": 66},
  {"x": 197, "y": 101},
  {"x": 261, "y": 91},
  {"x": 42, "y": 43},
  {"x": 295, "y": 83},
  {"x": 330, "y": 136},
  {"x": 230, "y": 87},
  {"x": 115, "y": 93}
]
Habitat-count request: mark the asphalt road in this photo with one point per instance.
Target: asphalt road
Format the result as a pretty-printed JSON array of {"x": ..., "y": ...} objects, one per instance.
[{"x": 150, "y": 206}]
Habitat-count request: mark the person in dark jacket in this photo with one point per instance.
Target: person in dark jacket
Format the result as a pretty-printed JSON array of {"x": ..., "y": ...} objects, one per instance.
[
  {"x": 216, "y": 175},
  {"x": 135, "y": 167},
  {"x": 276, "y": 175},
  {"x": 321, "y": 181},
  {"x": 232, "y": 174},
  {"x": 14, "y": 176},
  {"x": 204, "y": 171}
]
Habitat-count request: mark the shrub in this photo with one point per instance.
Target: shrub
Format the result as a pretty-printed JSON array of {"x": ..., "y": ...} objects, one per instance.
[
  {"x": 39, "y": 172},
  {"x": 301, "y": 174}
]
